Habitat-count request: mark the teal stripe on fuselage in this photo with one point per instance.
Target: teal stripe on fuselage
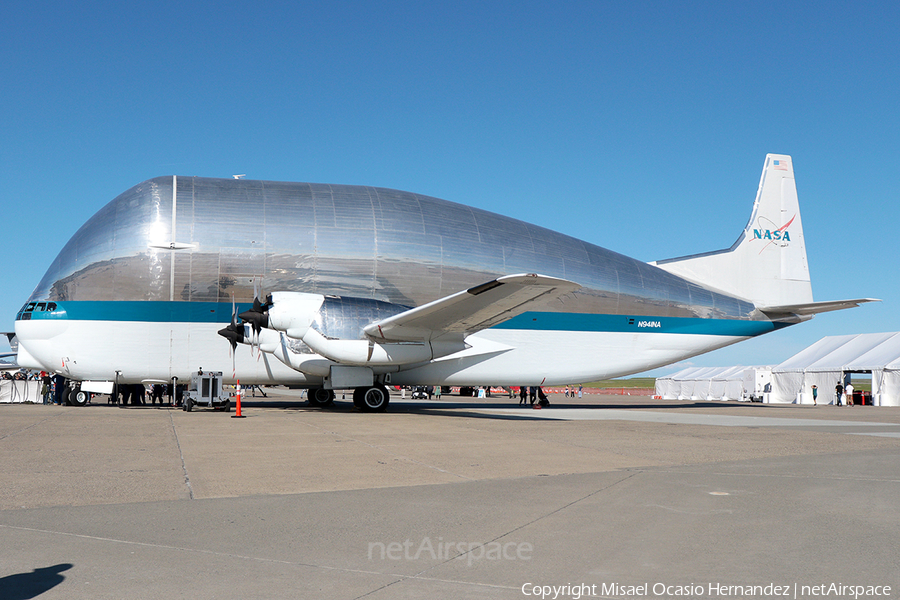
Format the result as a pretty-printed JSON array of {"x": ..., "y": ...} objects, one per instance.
[
  {"x": 220, "y": 312},
  {"x": 148, "y": 312},
  {"x": 547, "y": 321}
]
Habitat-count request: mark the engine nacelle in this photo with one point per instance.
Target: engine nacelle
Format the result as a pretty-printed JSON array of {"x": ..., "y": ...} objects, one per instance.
[{"x": 294, "y": 312}]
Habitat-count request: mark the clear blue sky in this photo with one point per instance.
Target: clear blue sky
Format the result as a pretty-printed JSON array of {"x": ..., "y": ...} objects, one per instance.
[{"x": 638, "y": 126}]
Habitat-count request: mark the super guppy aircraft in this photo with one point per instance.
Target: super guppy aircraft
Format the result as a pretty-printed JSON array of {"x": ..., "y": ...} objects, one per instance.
[{"x": 338, "y": 286}]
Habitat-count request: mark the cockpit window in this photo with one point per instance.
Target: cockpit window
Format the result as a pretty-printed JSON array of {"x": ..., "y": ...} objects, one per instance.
[{"x": 37, "y": 307}]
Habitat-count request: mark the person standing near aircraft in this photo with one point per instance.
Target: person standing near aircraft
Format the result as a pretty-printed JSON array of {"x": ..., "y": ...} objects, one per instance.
[
  {"x": 838, "y": 392},
  {"x": 59, "y": 384},
  {"x": 849, "y": 392},
  {"x": 46, "y": 387},
  {"x": 522, "y": 393},
  {"x": 815, "y": 392}
]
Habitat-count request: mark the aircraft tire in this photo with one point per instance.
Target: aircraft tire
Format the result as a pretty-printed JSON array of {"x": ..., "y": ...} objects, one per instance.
[
  {"x": 320, "y": 397},
  {"x": 79, "y": 398},
  {"x": 188, "y": 405},
  {"x": 374, "y": 399}
]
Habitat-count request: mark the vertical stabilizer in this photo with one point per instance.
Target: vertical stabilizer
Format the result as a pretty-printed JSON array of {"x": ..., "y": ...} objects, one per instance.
[{"x": 767, "y": 264}]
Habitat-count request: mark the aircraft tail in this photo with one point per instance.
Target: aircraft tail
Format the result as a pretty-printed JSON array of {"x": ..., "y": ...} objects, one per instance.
[{"x": 767, "y": 264}]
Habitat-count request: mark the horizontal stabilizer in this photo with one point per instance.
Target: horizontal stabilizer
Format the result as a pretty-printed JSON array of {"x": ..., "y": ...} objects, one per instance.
[
  {"x": 471, "y": 310},
  {"x": 14, "y": 346},
  {"x": 814, "y": 308},
  {"x": 13, "y": 340}
]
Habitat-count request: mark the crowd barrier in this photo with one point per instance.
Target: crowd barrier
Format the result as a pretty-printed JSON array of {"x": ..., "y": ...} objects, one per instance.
[{"x": 14, "y": 390}]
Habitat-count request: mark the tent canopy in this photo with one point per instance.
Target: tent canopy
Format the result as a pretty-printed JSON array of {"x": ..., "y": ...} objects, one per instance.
[
  {"x": 825, "y": 362},
  {"x": 860, "y": 352},
  {"x": 703, "y": 383}
]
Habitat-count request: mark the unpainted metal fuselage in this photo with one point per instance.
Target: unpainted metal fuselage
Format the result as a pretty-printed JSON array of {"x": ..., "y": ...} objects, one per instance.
[{"x": 141, "y": 289}]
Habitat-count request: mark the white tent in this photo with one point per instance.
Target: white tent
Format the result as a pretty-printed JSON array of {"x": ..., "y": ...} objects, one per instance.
[
  {"x": 884, "y": 362},
  {"x": 679, "y": 385},
  {"x": 826, "y": 362},
  {"x": 886, "y": 384},
  {"x": 702, "y": 383},
  {"x": 727, "y": 384},
  {"x": 699, "y": 384},
  {"x": 669, "y": 387}
]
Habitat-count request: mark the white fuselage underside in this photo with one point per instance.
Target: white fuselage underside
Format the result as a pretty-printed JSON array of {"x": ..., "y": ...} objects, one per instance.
[{"x": 156, "y": 352}]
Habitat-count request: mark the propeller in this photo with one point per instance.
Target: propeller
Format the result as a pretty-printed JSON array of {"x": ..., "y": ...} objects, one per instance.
[
  {"x": 251, "y": 322},
  {"x": 234, "y": 333},
  {"x": 258, "y": 314}
]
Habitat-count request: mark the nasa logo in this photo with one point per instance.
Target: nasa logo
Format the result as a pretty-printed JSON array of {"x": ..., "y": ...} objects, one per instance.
[
  {"x": 780, "y": 236},
  {"x": 768, "y": 234}
]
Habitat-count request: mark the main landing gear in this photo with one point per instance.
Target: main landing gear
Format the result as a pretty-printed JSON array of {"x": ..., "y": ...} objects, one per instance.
[
  {"x": 76, "y": 397},
  {"x": 320, "y": 397},
  {"x": 371, "y": 399},
  {"x": 368, "y": 399}
]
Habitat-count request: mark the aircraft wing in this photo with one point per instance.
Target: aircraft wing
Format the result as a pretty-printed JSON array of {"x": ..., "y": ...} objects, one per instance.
[
  {"x": 814, "y": 308},
  {"x": 471, "y": 310}
]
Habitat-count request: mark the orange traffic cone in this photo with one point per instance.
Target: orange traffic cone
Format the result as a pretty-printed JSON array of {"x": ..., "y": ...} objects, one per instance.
[{"x": 238, "y": 414}]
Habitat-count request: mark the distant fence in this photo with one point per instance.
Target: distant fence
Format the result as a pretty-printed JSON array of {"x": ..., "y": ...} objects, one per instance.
[
  {"x": 573, "y": 391},
  {"x": 610, "y": 391},
  {"x": 625, "y": 391}
]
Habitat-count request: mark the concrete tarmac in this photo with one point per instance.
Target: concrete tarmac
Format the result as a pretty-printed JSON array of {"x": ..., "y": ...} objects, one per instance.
[{"x": 606, "y": 497}]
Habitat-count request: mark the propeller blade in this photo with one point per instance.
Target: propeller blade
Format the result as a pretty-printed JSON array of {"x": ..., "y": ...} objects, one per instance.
[
  {"x": 257, "y": 315},
  {"x": 234, "y": 334}
]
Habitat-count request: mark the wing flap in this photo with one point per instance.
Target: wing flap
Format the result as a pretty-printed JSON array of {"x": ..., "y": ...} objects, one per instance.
[{"x": 473, "y": 309}]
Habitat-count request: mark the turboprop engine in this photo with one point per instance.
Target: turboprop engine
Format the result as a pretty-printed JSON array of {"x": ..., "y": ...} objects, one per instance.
[{"x": 295, "y": 313}]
